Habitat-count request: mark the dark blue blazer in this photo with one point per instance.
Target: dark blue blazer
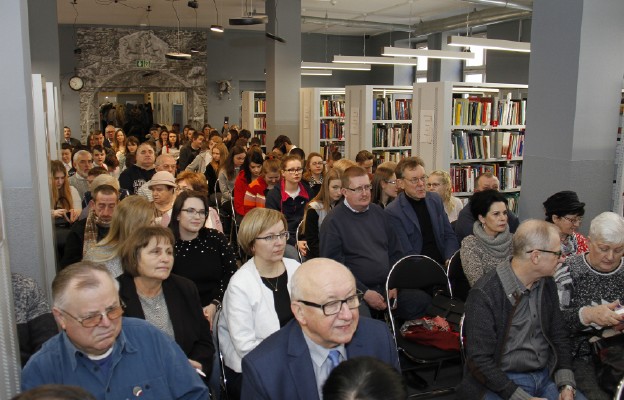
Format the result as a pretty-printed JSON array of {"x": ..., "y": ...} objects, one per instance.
[
  {"x": 405, "y": 222},
  {"x": 281, "y": 366}
]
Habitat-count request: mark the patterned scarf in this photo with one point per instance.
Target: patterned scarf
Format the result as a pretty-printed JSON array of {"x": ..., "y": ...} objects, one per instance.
[{"x": 91, "y": 231}]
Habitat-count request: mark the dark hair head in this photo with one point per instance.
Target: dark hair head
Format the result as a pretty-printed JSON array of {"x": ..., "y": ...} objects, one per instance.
[
  {"x": 132, "y": 140},
  {"x": 244, "y": 133},
  {"x": 66, "y": 146},
  {"x": 197, "y": 134},
  {"x": 255, "y": 141},
  {"x": 254, "y": 155},
  {"x": 131, "y": 249},
  {"x": 174, "y": 225},
  {"x": 228, "y": 165},
  {"x": 562, "y": 204},
  {"x": 97, "y": 171},
  {"x": 364, "y": 378},
  {"x": 363, "y": 155},
  {"x": 480, "y": 202},
  {"x": 280, "y": 140},
  {"x": 97, "y": 147},
  {"x": 297, "y": 151},
  {"x": 408, "y": 163}
]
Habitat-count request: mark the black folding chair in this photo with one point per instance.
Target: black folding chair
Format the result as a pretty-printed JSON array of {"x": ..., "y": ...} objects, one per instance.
[
  {"x": 222, "y": 395},
  {"x": 619, "y": 393},
  {"x": 457, "y": 278},
  {"x": 419, "y": 272}
]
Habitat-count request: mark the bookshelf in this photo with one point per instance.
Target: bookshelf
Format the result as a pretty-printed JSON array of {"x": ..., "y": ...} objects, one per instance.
[
  {"x": 378, "y": 119},
  {"x": 254, "y": 114},
  {"x": 322, "y": 120},
  {"x": 470, "y": 128},
  {"x": 617, "y": 201}
]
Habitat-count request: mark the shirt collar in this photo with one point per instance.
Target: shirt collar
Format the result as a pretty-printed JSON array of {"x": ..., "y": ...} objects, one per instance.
[
  {"x": 346, "y": 203},
  {"x": 512, "y": 285},
  {"x": 319, "y": 353},
  {"x": 285, "y": 196}
]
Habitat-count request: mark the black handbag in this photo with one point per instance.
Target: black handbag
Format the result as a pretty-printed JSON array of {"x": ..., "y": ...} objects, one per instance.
[
  {"x": 608, "y": 356},
  {"x": 447, "y": 307}
]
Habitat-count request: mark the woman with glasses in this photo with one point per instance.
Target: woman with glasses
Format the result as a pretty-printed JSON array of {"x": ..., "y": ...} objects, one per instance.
[
  {"x": 566, "y": 211},
  {"x": 314, "y": 173},
  {"x": 257, "y": 300},
  {"x": 490, "y": 243},
  {"x": 202, "y": 255},
  {"x": 290, "y": 197},
  {"x": 590, "y": 288},
  {"x": 187, "y": 180},
  {"x": 317, "y": 210},
  {"x": 169, "y": 302},
  {"x": 384, "y": 184},
  {"x": 440, "y": 183}
]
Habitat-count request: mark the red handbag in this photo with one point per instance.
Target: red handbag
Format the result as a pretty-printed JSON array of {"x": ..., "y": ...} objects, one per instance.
[{"x": 434, "y": 332}]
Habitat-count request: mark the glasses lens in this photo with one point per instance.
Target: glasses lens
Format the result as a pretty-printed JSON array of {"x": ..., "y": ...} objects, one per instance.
[
  {"x": 90, "y": 322},
  {"x": 353, "y": 301},
  {"x": 115, "y": 313},
  {"x": 331, "y": 308}
]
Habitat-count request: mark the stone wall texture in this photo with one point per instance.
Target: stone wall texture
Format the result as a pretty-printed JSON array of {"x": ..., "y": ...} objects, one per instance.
[{"x": 108, "y": 62}]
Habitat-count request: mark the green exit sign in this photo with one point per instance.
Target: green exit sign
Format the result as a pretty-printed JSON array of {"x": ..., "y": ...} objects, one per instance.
[{"x": 143, "y": 63}]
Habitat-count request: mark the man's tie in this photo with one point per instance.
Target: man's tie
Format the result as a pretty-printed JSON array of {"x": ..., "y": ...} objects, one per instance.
[{"x": 334, "y": 359}]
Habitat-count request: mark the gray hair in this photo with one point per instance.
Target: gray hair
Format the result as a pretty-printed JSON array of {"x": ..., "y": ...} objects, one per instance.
[
  {"x": 532, "y": 234},
  {"x": 80, "y": 275},
  {"x": 78, "y": 154},
  {"x": 607, "y": 227}
]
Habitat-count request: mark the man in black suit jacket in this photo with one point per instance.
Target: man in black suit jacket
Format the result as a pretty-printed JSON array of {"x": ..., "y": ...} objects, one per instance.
[
  {"x": 295, "y": 361},
  {"x": 73, "y": 142}
]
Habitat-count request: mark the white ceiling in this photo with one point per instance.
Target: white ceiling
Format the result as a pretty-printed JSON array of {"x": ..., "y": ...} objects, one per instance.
[{"x": 134, "y": 13}]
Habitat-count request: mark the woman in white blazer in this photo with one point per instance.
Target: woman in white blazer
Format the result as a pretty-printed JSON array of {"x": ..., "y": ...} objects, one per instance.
[{"x": 257, "y": 300}]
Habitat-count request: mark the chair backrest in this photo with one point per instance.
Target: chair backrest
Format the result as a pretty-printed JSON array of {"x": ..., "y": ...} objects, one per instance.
[
  {"x": 217, "y": 200},
  {"x": 297, "y": 232},
  {"x": 462, "y": 343},
  {"x": 457, "y": 278},
  {"x": 416, "y": 272},
  {"x": 219, "y": 355},
  {"x": 619, "y": 393}
]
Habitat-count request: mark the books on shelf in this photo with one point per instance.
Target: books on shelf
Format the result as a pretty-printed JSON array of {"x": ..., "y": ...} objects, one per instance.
[
  {"x": 332, "y": 108},
  {"x": 331, "y": 147},
  {"x": 463, "y": 176},
  {"x": 259, "y": 123},
  {"x": 259, "y": 106},
  {"x": 482, "y": 111},
  {"x": 477, "y": 144},
  {"x": 397, "y": 135},
  {"x": 387, "y": 155},
  {"x": 332, "y": 129},
  {"x": 387, "y": 108}
]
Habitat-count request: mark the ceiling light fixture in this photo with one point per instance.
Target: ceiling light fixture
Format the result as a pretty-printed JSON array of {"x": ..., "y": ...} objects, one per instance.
[
  {"x": 374, "y": 60},
  {"x": 177, "y": 55},
  {"x": 490, "y": 44},
  {"x": 351, "y": 67},
  {"x": 443, "y": 54},
  {"x": 316, "y": 72},
  {"x": 216, "y": 27},
  {"x": 249, "y": 16}
]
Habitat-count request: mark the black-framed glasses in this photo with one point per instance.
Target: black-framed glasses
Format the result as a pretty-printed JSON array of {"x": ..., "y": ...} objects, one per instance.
[
  {"x": 294, "y": 170},
  {"x": 556, "y": 253},
  {"x": 273, "y": 238},
  {"x": 360, "y": 189},
  {"x": 193, "y": 212},
  {"x": 416, "y": 179},
  {"x": 95, "y": 319},
  {"x": 333, "y": 307},
  {"x": 574, "y": 221}
]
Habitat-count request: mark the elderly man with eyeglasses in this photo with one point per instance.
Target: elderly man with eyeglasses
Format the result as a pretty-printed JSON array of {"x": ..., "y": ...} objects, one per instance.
[
  {"x": 359, "y": 235},
  {"x": 109, "y": 356},
  {"x": 295, "y": 362}
]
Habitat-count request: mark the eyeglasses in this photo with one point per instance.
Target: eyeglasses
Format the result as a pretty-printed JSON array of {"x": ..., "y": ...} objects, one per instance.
[
  {"x": 334, "y": 307},
  {"x": 361, "y": 189},
  {"x": 574, "y": 221},
  {"x": 415, "y": 180},
  {"x": 390, "y": 182},
  {"x": 294, "y": 170},
  {"x": 433, "y": 184},
  {"x": 94, "y": 320},
  {"x": 193, "y": 212},
  {"x": 556, "y": 253},
  {"x": 273, "y": 238}
]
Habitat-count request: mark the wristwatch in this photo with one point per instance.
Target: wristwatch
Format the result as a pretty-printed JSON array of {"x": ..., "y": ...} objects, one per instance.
[{"x": 570, "y": 387}]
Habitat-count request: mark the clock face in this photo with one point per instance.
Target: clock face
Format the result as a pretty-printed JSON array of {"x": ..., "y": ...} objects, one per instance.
[{"x": 76, "y": 83}]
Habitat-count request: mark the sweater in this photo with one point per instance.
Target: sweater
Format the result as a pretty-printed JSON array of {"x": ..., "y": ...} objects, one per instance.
[
  {"x": 580, "y": 285},
  {"x": 365, "y": 242},
  {"x": 481, "y": 254},
  {"x": 255, "y": 195},
  {"x": 240, "y": 188},
  {"x": 134, "y": 177},
  {"x": 489, "y": 313},
  {"x": 292, "y": 208},
  {"x": 208, "y": 260}
]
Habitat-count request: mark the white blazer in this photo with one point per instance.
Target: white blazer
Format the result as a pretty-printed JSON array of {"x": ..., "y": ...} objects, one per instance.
[{"x": 248, "y": 316}]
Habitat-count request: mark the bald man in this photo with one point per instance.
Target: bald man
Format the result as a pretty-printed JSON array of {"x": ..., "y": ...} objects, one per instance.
[{"x": 294, "y": 362}]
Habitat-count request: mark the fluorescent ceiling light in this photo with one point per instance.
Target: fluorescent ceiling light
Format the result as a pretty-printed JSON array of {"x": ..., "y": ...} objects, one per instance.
[
  {"x": 216, "y": 28},
  {"x": 374, "y": 60},
  {"x": 490, "y": 44},
  {"x": 316, "y": 65},
  {"x": 404, "y": 52},
  {"x": 316, "y": 72}
]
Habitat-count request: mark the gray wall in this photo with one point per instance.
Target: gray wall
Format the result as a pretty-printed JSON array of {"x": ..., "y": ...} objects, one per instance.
[
  {"x": 70, "y": 100},
  {"x": 44, "y": 41}
]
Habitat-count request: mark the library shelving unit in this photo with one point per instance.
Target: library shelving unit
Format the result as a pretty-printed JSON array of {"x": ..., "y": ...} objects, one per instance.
[
  {"x": 378, "y": 119},
  {"x": 254, "y": 114},
  {"x": 470, "y": 128},
  {"x": 322, "y": 120},
  {"x": 617, "y": 201}
]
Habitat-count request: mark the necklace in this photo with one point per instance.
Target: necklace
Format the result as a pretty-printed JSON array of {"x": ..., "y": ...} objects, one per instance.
[{"x": 271, "y": 285}]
